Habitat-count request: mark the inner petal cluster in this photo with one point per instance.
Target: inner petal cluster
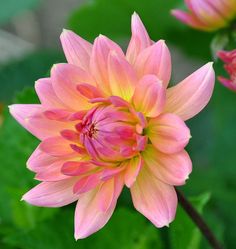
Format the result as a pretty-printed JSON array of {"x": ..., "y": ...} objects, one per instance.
[{"x": 110, "y": 133}]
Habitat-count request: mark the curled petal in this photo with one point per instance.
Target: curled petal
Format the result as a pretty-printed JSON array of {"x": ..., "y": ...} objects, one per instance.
[
  {"x": 168, "y": 133},
  {"x": 156, "y": 200},
  {"x": 190, "y": 96},
  {"x": 52, "y": 194},
  {"x": 122, "y": 77},
  {"x": 139, "y": 40},
  {"x": 73, "y": 168},
  {"x": 77, "y": 50},
  {"x": 155, "y": 60},
  {"x": 172, "y": 169},
  {"x": 149, "y": 96}
]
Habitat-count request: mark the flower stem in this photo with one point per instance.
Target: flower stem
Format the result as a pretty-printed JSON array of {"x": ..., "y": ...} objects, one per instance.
[{"x": 197, "y": 219}]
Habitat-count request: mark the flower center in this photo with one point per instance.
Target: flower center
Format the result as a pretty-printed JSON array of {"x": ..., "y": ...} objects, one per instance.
[{"x": 111, "y": 133}]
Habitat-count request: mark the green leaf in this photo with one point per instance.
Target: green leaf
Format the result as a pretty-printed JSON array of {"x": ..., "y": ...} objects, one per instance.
[
  {"x": 22, "y": 73},
  {"x": 113, "y": 17},
  {"x": 10, "y": 8},
  {"x": 126, "y": 229},
  {"x": 183, "y": 232}
]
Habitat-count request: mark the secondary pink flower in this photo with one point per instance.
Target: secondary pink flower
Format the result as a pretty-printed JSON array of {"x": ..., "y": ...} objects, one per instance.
[
  {"x": 106, "y": 120},
  {"x": 207, "y": 15},
  {"x": 229, "y": 58}
]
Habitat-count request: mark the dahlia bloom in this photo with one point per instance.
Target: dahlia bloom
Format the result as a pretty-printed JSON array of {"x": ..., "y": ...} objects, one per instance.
[
  {"x": 207, "y": 15},
  {"x": 229, "y": 58},
  {"x": 107, "y": 120}
]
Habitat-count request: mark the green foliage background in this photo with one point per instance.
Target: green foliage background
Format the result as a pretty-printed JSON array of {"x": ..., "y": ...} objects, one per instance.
[{"x": 211, "y": 187}]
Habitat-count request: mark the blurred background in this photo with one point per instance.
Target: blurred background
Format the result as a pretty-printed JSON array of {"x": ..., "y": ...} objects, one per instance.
[{"x": 29, "y": 46}]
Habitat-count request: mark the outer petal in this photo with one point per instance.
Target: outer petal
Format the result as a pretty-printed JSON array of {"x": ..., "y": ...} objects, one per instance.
[
  {"x": 190, "y": 20},
  {"x": 39, "y": 159},
  {"x": 154, "y": 199},
  {"x": 77, "y": 50},
  {"x": 52, "y": 194},
  {"x": 149, "y": 96},
  {"x": 122, "y": 77},
  {"x": 65, "y": 78},
  {"x": 139, "y": 40},
  {"x": 32, "y": 119},
  {"x": 190, "y": 96},
  {"x": 155, "y": 60},
  {"x": 98, "y": 65},
  {"x": 172, "y": 169},
  {"x": 90, "y": 215},
  {"x": 168, "y": 133},
  {"x": 47, "y": 95}
]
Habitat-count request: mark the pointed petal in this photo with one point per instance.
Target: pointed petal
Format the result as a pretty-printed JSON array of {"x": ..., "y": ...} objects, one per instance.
[
  {"x": 172, "y": 169},
  {"x": 46, "y": 94},
  {"x": 155, "y": 60},
  {"x": 133, "y": 166},
  {"x": 52, "y": 172},
  {"x": 139, "y": 40},
  {"x": 56, "y": 146},
  {"x": 65, "y": 78},
  {"x": 52, "y": 194},
  {"x": 77, "y": 50},
  {"x": 39, "y": 159},
  {"x": 168, "y": 133},
  {"x": 156, "y": 200},
  {"x": 149, "y": 96},
  {"x": 190, "y": 96},
  {"x": 122, "y": 77},
  {"x": 89, "y": 217},
  {"x": 98, "y": 65}
]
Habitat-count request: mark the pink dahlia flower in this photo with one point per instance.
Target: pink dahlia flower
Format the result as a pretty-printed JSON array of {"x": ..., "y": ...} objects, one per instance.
[
  {"x": 229, "y": 58},
  {"x": 207, "y": 15},
  {"x": 107, "y": 120}
]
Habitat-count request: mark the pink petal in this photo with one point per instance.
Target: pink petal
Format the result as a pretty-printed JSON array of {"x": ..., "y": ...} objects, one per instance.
[
  {"x": 89, "y": 217},
  {"x": 39, "y": 160},
  {"x": 98, "y": 65},
  {"x": 46, "y": 94},
  {"x": 156, "y": 200},
  {"x": 133, "y": 166},
  {"x": 122, "y": 77},
  {"x": 76, "y": 168},
  {"x": 65, "y": 78},
  {"x": 77, "y": 50},
  {"x": 52, "y": 172},
  {"x": 155, "y": 60},
  {"x": 189, "y": 19},
  {"x": 86, "y": 183},
  {"x": 190, "y": 96},
  {"x": 149, "y": 96},
  {"x": 56, "y": 146},
  {"x": 172, "y": 169},
  {"x": 168, "y": 133},
  {"x": 32, "y": 119},
  {"x": 139, "y": 40},
  {"x": 89, "y": 91},
  {"x": 52, "y": 194}
]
